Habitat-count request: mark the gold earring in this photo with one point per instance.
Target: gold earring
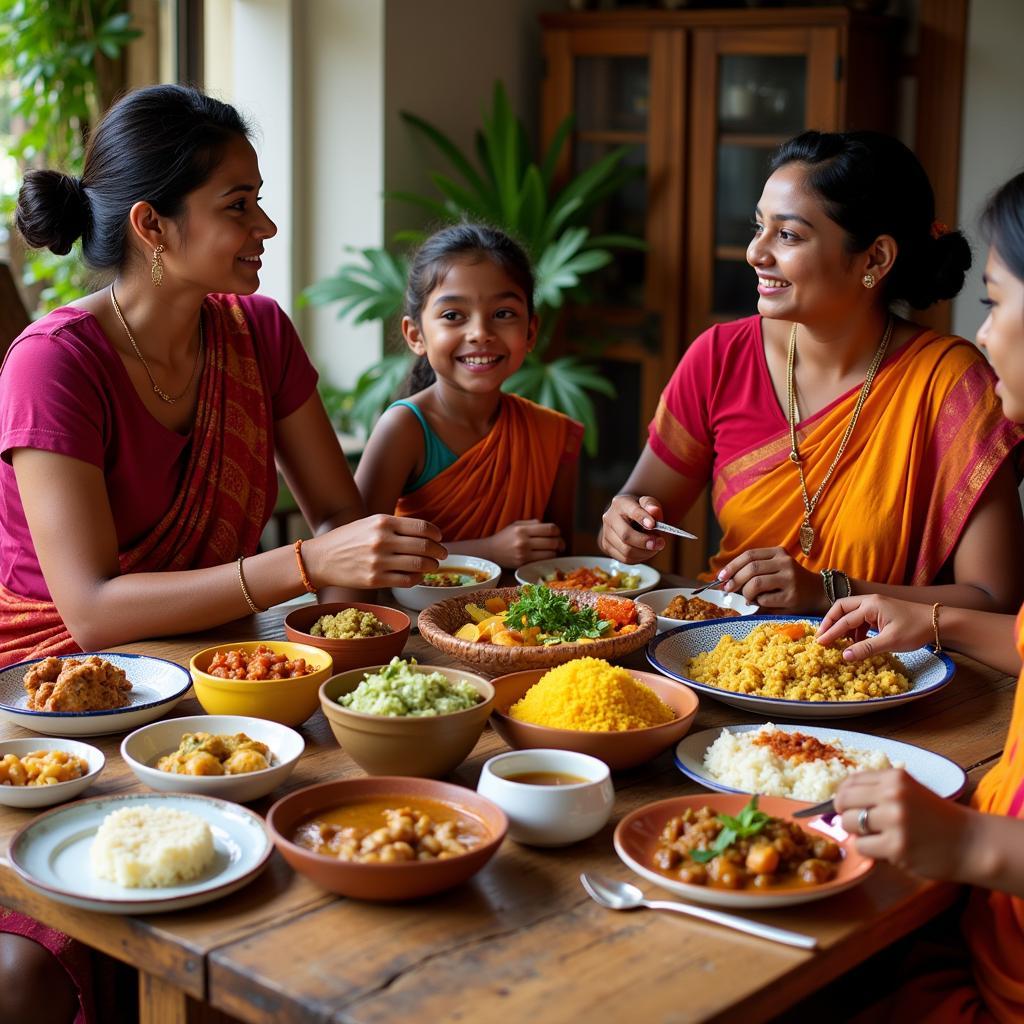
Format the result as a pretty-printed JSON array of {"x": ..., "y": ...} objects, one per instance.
[
  {"x": 156, "y": 271},
  {"x": 869, "y": 280}
]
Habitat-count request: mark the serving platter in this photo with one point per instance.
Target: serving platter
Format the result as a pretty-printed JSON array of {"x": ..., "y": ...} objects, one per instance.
[
  {"x": 538, "y": 572},
  {"x": 941, "y": 775},
  {"x": 670, "y": 653},
  {"x": 157, "y": 685},
  {"x": 51, "y": 854},
  {"x": 636, "y": 838}
]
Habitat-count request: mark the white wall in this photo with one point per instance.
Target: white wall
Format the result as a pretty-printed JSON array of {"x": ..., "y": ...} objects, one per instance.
[
  {"x": 442, "y": 59},
  {"x": 992, "y": 139}
]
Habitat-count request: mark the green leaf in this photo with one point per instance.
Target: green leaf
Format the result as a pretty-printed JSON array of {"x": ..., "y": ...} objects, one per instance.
[
  {"x": 555, "y": 150},
  {"x": 448, "y": 148}
]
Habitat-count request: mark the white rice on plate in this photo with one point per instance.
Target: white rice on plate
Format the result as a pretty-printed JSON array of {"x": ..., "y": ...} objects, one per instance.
[
  {"x": 145, "y": 847},
  {"x": 776, "y": 762}
]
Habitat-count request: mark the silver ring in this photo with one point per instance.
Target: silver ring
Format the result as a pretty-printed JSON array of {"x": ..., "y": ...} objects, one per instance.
[{"x": 862, "y": 821}]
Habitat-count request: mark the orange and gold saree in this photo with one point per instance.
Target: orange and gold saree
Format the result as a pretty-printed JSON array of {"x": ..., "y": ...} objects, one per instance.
[
  {"x": 505, "y": 477},
  {"x": 928, "y": 440},
  {"x": 224, "y": 496}
]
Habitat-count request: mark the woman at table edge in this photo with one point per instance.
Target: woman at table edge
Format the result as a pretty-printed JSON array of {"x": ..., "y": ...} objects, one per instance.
[
  {"x": 850, "y": 450},
  {"x": 139, "y": 429},
  {"x": 900, "y": 820}
]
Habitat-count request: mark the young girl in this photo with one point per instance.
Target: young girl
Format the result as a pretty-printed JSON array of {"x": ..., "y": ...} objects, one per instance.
[
  {"x": 902, "y": 821},
  {"x": 495, "y": 473}
]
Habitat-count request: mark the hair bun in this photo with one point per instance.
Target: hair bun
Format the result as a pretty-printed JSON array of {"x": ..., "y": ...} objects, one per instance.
[
  {"x": 941, "y": 270},
  {"x": 53, "y": 210}
]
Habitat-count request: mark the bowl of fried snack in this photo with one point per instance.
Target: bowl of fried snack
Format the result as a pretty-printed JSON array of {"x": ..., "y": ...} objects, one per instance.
[
  {"x": 231, "y": 757},
  {"x": 273, "y": 679},
  {"x": 41, "y": 772},
  {"x": 353, "y": 634}
]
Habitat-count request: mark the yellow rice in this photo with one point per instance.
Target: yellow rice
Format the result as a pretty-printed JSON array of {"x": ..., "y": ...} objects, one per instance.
[
  {"x": 590, "y": 695},
  {"x": 767, "y": 663}
]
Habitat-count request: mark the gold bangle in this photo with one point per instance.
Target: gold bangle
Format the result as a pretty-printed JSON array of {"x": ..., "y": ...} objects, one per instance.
[
  {"x": 245, "y": 590},
  {"x": 935, "y": 626}
]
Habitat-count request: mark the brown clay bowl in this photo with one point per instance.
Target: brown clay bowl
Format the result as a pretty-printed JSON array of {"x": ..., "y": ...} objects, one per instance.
[
  {"x": 438, "y": 622},
  {"x": 346, "y": 654},
  {"x": 618, "y": 750},
  {"x": 426, "y": 747},
  {"x": 404, "y": 881}
]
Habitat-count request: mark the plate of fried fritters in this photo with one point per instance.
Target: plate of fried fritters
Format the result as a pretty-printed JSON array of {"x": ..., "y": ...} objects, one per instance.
[{"x": 90, "y": 694}]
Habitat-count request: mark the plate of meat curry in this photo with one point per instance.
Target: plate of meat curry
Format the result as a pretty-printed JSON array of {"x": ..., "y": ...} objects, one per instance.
[{"x": 735, "y": 851}]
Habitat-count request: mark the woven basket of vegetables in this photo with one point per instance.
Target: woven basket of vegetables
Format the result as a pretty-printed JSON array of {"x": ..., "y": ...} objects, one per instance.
[{"x": 513, "y": 628}]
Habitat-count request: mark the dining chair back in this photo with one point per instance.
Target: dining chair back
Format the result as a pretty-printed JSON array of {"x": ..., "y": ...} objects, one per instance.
[{"x": 14, "y": 316}]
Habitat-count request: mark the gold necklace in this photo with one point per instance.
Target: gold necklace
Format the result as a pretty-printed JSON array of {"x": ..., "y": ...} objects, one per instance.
[
  {"x": 806, "y": 530},
  {"x": 169, "y": 399}
]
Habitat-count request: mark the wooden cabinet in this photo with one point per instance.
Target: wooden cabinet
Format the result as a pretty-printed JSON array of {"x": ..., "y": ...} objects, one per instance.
[{"x": 702, "y": 98}]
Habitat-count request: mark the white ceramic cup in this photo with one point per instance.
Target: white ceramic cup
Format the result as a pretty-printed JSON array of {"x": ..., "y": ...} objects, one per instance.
[{"x": 549, "y": 815}]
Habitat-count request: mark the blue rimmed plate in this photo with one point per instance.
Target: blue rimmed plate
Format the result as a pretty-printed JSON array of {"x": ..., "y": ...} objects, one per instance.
[
  {"x": 941, "y": 775},
  {"x": 157, "y": 685},
  {"x": 670, "y": 654},
  {"x": 52, "y": 854}
]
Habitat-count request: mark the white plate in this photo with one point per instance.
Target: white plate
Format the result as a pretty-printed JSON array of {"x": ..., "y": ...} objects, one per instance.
[
  {"x": 659, "y": 600},
  {"x": 670, "y": 653},
  {"x": 47, "y": 796},
  {"x": 51, "y": 854},
  {"x": 537, "y": 572},
  {"x": 157, "y": 685},
  {"x": 420, "y": 597},
  {"x": 941, "y": 775},
  {"x": 145, "y": 746}
]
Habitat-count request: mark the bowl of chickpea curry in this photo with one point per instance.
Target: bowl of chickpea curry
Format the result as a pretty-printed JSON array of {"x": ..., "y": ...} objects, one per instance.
[
  {"x": 732, "y": 850},
  {"x": 232, "y": 757},
  {"x": 387, "y": 837}
]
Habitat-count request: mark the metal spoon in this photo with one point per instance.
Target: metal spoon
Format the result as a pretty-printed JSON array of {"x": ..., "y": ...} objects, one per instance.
[{"x": 623, "y": 896}]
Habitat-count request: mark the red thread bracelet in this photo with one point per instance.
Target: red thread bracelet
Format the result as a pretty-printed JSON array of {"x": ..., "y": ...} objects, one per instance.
[{"x": 306, "y": 582}]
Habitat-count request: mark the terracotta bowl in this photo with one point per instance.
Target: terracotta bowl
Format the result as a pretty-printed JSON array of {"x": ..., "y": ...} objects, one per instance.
[
  {"x": 366, "y": 650},
  {"x": 426, "y": 747},
  {"x": 288, "y": 701},
  {"x": 404, "y": 881},
  {"x": 618, "y": 750},
  {"x": 438, "y": 622}
]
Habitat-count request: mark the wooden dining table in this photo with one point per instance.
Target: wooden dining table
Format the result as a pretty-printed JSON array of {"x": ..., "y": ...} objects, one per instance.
[{"x": 521, "y": 940}]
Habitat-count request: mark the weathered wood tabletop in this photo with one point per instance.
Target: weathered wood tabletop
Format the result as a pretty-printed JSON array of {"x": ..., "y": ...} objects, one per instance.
[{"x": 521, "y": 941}]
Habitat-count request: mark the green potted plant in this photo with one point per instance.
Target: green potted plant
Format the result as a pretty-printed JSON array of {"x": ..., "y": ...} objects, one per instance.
[
  {"x": 59, "y": 69},
  {"x": 506, "y": 188}
]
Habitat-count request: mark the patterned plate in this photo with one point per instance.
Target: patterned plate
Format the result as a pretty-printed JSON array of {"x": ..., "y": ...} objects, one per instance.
[
  {"x": 671, "y": 652},
  {"x": 157, "y": 685}
]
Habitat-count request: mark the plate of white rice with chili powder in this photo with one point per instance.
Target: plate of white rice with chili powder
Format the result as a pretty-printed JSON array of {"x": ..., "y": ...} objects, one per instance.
[
  {"x": 805, "y": 762},
  {"x": 141, "y": 853},
  {"x": 773, "y": 665}
]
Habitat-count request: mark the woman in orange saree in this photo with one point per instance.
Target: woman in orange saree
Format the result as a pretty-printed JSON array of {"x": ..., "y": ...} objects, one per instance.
[
  {"x": 849, "y": 450},
  {"x": 977, "y": 974},
  {"x": 140, "y": 427}
]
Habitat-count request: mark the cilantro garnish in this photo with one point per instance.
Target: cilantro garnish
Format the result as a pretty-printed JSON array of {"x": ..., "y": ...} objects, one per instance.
[
  {"x": 749, "y": 822},
  {"x": 558, "y": 620}
]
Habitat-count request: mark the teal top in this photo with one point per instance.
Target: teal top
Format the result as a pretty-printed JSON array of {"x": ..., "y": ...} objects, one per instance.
[{"x": 437, "y": 455}]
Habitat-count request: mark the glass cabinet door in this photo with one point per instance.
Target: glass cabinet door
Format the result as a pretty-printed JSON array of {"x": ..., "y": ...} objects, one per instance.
[
  {"x": 761, "y": 102},
  {"x": 612, "y": 99}
]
